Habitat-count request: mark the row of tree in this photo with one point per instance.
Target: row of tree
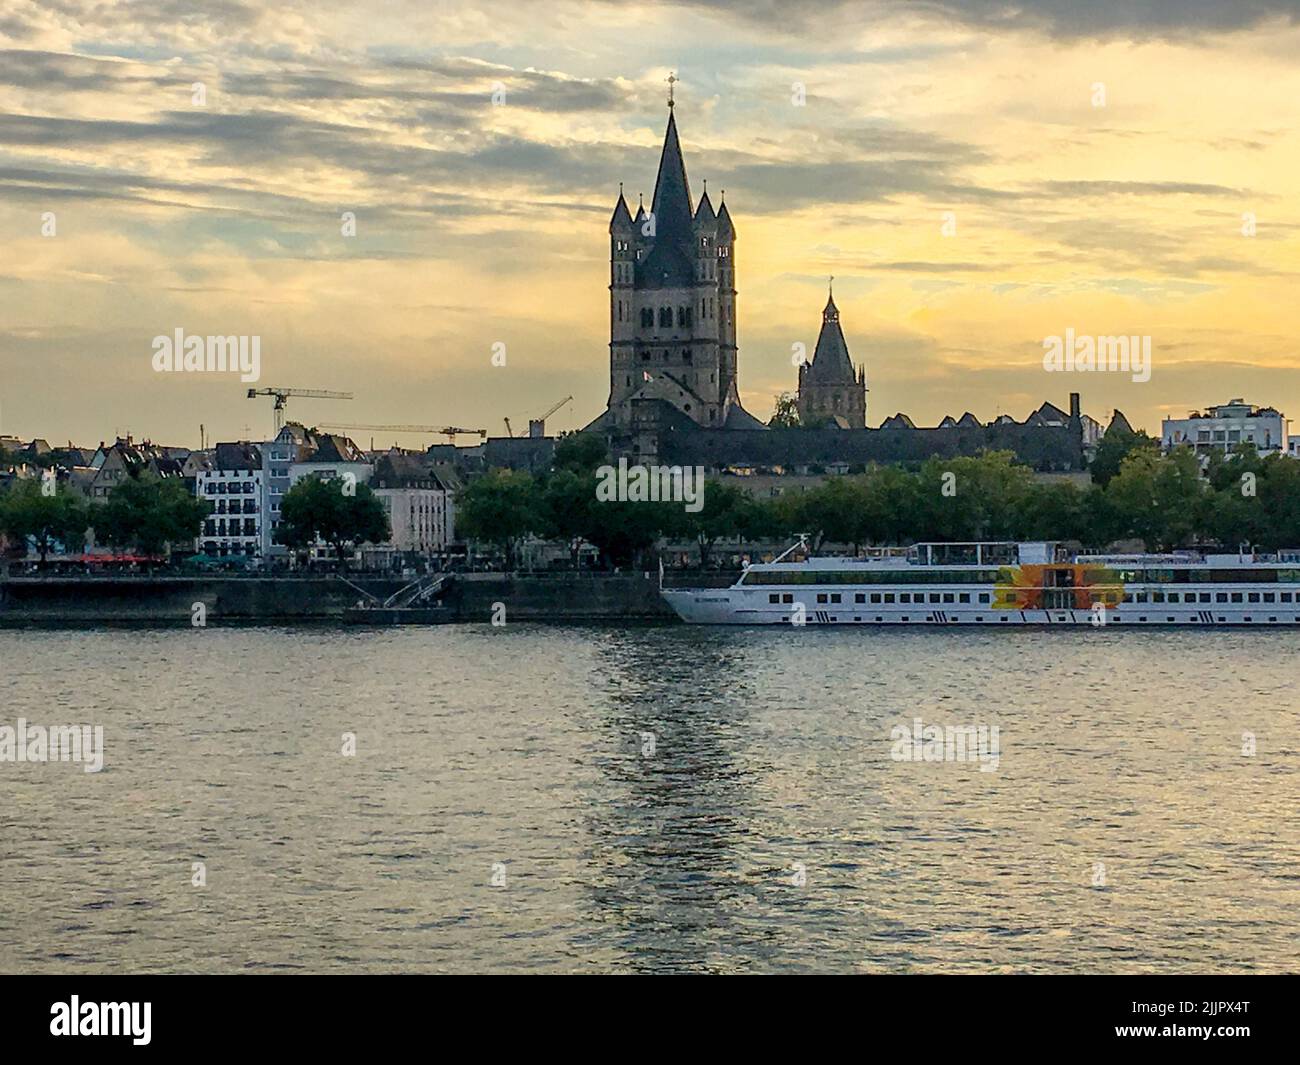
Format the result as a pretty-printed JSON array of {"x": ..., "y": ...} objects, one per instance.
[
  {"x": 144, "y": 515},
  {"x": 1162, "y": 500}
]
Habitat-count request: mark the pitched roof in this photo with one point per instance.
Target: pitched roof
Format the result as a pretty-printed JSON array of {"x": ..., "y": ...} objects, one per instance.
[
  {"x": 968, "y": 421},
  {"x": 622, "y": 217},
  {"x": 898, "y": 421},
  {"x": 704, "y": 210},
  {"x": 670, "y": 263},
  {"x": 1118, "y": 423},
  {"x": 830, "y": 362},
  {"x": 672, "y": 199},
  {"x": 726, "y": 231}
]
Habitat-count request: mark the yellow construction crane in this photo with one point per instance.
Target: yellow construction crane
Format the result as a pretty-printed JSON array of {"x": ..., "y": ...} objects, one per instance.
[
  {"x": 537, "y": 426},
  {"x": 282, "y": 395},
  {"x": 449, "y": 431}
]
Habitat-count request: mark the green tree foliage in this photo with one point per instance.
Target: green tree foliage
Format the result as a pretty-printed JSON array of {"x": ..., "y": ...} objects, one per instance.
[
  {"x": 580, "y": 452},
  {"x": 27, "y": 512},
  {"x": 326, "y": 510},
  {"x": 786, "y": 412},
  {"x": 1113, "y": 449},
  {"x": 501, "y": 508},
  {"x": 1159, "y": 496},
  {"x": 148, "y": 514}
]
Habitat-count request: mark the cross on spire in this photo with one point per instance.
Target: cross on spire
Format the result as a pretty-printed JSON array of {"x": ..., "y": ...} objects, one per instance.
[{"x": 672, "y": 80}]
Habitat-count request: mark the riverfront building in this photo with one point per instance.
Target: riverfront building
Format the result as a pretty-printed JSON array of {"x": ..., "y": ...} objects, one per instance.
[{"x": 1222, "y": 428}]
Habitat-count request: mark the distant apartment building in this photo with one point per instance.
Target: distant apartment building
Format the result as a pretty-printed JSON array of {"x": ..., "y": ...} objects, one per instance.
[
  {"x": 420, "y": 508},
  {"x": 234, "y": 487},
  {"x": 328, "y": 457},
  {"x": 1224, "y": 427}
]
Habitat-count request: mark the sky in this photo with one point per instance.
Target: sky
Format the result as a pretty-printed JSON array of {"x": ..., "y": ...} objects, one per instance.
[{"x": 978, "y": 176}]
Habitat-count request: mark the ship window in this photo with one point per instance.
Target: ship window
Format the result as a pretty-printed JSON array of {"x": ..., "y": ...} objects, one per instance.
[
  {"x": 889, "y": 597},
  {"x": 1236, "y": 597},
  {"x": 904, "y": 618},
  {"x": 835, "y": 597},
  {"x": 984, "y": 597},
  {"x": 1169, "y": 619},
  {"x": 821, "y": 597},
  {"x": 964, "y": 597},
  {"x": 1157, "y": 597},
  {"x": 860, "y": 597},
  {"x": 787, "y": 598},
  {"x": 1272, "y": 619},
  {"x": 978, "y": 617},
  {"x": 775, "y": 597},
  {"x": 1252, "y": 597},
  {"x": 1246, "y": 618},
  {"x": 1220, "y": 597},
  {"x": 1142, "y": 618},
  {"x": 1269, "y": 597},
  {"x": 1142, "y": 597},
  {"x": 879, "y": 618},
  {"x": 904, "y": 597},
  {"x": 948, "y": 597},
  {"x": 875, "y": 597},
  {"x": 934, "y": 597},
  {"x": 1286, "y": 597},
  {"x": 1173, "y": 597}
]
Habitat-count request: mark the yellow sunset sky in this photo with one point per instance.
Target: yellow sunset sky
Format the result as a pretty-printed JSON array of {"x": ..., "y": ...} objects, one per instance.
[{"x": 481, "y": 223}]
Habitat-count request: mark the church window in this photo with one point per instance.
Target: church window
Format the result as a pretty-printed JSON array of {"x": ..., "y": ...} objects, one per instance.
[
  {"x": 686, "y": 354},
  {"x": 629, "y": 382},
  {"x": 620, "y": 310},
  {"x": 687, "y": 408},
  {"x": 647, "y": 317},
  {"x": 645, "y": 356},
  {"x": 666, "y": 316}
]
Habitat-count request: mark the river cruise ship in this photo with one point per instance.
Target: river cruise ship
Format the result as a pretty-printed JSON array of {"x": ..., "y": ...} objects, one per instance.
[{"x": 1003, "y": 584}]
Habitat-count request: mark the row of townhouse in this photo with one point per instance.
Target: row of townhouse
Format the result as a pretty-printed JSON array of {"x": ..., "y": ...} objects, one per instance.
[{"x": 246, "y": 484}]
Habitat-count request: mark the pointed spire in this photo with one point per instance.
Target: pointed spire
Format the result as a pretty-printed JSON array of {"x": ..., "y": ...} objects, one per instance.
[
  {"x": 640, "y": 206},
  {"x": 672, "y": 198},
  {"x": 622, "y": 218},
  {"x": 726, "y": 231},
  {"x": 830, "y": 313},
  {"x": 704, "y": 210}
]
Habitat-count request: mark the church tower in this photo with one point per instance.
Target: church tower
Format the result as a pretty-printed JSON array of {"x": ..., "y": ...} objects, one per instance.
[
  {"x": 672, "y": 306},
  {"x": 830, "y": 390}
]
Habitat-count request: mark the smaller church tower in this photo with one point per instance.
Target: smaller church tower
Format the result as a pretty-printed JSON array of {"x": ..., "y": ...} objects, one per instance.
[{"x": 830, "y": 390}]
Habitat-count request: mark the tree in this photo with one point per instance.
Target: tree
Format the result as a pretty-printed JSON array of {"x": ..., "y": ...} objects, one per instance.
[
  {"x": 579, "y": 452},
  {"x": 314, "y": 510},
  {"x": 724, "y": 514},
  {"x": 27, "y": 512},
  {"x": 566, "y": 502},
  {"x": 1158, "y": 497},
  {"x": 1113, "y": 449},
  {"x": 501, "y": 507},
  {"x": 148, "y": 514},
  {"x": 785, "y": 414}
]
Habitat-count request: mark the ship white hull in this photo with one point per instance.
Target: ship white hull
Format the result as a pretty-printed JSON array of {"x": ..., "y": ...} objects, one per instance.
[{"x": 741, "y": 606}]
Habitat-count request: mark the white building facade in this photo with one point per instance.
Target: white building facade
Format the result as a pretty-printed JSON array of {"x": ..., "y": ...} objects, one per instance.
[
  {"x": 234, "y": 487},
  {"x": 1224, "y": 427}
]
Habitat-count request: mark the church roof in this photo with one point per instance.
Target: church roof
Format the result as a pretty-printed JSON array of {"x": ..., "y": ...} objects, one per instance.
[
  {"x": 968, "y": 421},
  {"x": 704, "y": 210},
  {"x": 622, "y": 217},
  {"x": 898, "y": 421},
  {"x": 726, "y": 231},
  {"x": 672, "y": 200},
  {"x": 830, "y": 362},
  {"x": 670, "y": 262}
]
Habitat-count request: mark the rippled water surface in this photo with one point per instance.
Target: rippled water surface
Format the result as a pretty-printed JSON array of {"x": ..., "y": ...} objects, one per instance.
[{"x": 769, "y": 829}]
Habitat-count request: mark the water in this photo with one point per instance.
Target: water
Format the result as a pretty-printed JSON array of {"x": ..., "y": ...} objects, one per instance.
[{"x": 772, "y": 754}]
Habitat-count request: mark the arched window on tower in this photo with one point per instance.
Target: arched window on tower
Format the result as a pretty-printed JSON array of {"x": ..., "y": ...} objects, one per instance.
[
  {"x": 647, "y": 317},
  {"x": 666, "y": 317}
]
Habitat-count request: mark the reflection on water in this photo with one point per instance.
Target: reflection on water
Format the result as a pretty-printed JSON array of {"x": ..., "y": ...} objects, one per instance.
[{"x": 653, "y": 799}]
